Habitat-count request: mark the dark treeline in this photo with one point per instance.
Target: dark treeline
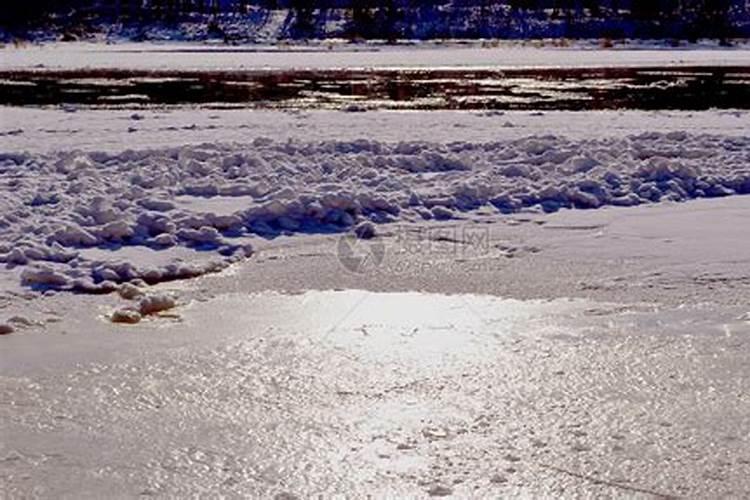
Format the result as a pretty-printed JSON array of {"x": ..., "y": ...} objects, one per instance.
[{"x": 387, "y": 18}]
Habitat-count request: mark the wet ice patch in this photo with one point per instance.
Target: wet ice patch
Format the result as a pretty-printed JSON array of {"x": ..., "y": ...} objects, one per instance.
[{"x": 416, "y": 329}]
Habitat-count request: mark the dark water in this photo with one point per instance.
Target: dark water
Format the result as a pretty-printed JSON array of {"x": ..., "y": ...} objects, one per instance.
[{"x": 686, "y": 88}]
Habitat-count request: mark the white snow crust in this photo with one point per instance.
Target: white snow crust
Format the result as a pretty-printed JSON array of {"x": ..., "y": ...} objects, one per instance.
[
  {"x": 186, "y": 56},
  {"x": 87, "y": 220}
]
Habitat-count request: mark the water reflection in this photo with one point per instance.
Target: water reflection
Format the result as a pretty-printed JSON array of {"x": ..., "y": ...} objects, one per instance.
[{"x": 696, "y": 88}]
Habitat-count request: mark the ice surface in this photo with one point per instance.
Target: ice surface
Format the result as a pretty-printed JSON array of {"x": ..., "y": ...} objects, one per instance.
[
  {"x": 387, "y": 394},
  {"x": 201, "y": 57},
  {"x": 379, "y": 394}
]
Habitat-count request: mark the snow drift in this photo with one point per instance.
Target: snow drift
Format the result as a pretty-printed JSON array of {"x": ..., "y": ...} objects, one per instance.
[{"x": 88, "y": 221}]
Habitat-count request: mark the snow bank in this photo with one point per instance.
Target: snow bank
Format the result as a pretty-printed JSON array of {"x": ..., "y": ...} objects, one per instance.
[
  {"x": 60, "y": 212},
  {"x": 500, "y": 55}
]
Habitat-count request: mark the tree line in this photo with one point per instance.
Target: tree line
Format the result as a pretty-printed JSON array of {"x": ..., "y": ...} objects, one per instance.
[{"x": 381, "y": 18}]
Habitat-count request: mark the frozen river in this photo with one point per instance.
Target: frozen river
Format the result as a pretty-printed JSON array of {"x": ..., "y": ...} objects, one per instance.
[
  {"x": 513, "y": 272},
  {"x": 384, "y": 394}
]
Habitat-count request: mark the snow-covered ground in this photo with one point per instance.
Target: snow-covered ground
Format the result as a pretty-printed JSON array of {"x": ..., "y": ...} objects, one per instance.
[
  {"x": 584, "y": 332},
  {"x": 211, "y": 198},
  {"x": 43, "y": 130},
  {"x": 184, "y": 56},
  {"x": 181, "y": 210}
]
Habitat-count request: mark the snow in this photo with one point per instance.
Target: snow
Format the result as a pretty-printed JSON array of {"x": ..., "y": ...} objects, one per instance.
[
  {"x": 365, "y": 230},
  {"x": 154, "y": 304},
  {"x": 550, "y": 336},
  {"x": 212, "y": 200},
  {"x": 129, "y": 291},
  {"x": 84, "y": 210},
  {"x": 52, "y": 129},
  {"x": 126, "y": 316},
  {"x": 155, "y": 56}
]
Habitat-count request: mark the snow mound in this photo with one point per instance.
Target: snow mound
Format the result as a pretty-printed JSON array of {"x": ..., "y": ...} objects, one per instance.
[
  {"x": 129, "y": 291},
  {"x": 126, "y": 316},
  {"x": 154, "y": 304},
  {"x": 59, "y": 212}
]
